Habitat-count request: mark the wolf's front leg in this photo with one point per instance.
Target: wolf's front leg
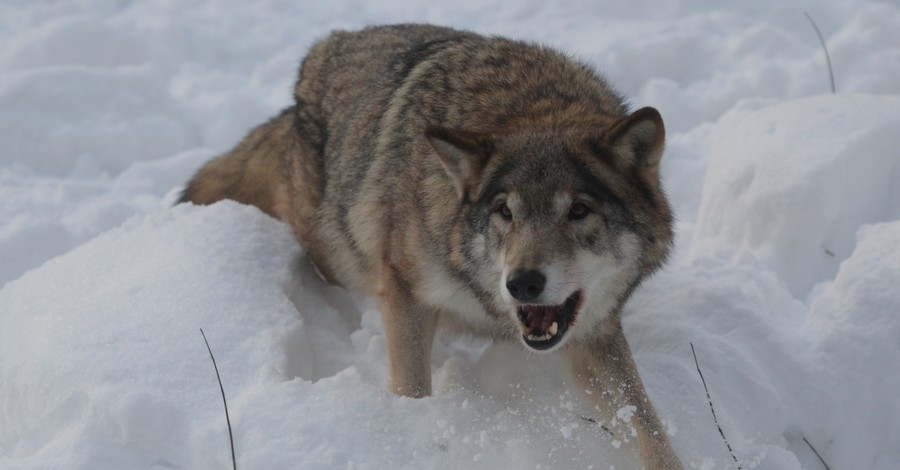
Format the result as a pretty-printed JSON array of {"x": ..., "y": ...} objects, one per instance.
[
  {"x": 409, "y": 326},
  {"x": 606, "y": 370}
]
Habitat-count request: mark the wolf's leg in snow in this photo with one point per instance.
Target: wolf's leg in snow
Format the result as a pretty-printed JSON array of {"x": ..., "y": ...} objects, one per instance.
[
  {"x": 605, "y": 368},
  {"x": 409, "y": 327}
]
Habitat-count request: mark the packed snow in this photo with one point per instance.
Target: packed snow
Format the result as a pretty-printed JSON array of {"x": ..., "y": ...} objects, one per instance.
[{"x": 786, "y": 276}]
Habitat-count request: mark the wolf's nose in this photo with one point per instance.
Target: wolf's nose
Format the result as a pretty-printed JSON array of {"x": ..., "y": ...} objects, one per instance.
[{"x": 526, "y": 285}]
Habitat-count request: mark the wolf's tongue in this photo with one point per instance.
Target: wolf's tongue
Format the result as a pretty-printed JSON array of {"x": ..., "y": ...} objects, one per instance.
[{"x": 539, "y": 317}]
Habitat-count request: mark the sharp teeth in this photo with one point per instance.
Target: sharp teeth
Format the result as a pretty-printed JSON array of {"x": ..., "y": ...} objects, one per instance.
[{"x": 553, "y": 329}]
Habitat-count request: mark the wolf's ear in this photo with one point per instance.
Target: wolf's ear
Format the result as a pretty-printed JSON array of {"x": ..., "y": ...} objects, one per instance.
[
  {"x": 637, "y": 142},
  {"x": 463, "y": 155}
]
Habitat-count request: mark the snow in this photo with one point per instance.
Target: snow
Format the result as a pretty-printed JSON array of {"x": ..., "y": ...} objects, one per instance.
[
  {"x": 785, "y": 277},
  {"x": 773, "y": 165}
]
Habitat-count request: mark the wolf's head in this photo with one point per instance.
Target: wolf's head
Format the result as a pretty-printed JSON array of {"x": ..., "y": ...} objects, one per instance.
[{"x": 562, "y": 223}]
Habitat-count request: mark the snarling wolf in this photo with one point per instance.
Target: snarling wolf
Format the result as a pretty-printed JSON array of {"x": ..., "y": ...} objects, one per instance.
[{"x": 482, "y": 184}]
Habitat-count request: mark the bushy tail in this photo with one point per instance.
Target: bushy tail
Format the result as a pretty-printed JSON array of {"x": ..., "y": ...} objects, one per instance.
[{"x": 251, "y": 173}]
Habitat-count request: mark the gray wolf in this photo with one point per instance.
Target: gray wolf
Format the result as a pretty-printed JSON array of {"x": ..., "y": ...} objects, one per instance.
[{"x": 480, "y": 184}]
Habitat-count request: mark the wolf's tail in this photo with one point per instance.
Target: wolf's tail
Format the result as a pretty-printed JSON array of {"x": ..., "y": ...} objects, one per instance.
[{"x": 253, "y": 172}]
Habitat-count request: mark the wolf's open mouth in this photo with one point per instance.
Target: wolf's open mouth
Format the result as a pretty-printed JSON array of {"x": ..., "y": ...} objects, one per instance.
[{"x": 544, "y": 325}]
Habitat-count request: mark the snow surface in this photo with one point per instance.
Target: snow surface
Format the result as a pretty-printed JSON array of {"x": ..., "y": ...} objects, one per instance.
[{"x": 785, "y": 278}]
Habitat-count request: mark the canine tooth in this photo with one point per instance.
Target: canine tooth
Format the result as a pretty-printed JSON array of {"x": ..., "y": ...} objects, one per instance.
[{"x": 553, "y": 329}]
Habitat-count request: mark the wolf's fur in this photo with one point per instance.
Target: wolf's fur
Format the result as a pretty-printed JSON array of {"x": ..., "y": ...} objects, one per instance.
[{"x": 487, "y": 185}]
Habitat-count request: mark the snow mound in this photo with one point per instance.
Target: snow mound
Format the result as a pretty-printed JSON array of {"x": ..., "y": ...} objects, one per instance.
[
  {"x": 789, "y": 185},
  {"x": 116, "y": 331},
  {"x": 855, "y": 335},
  {"x": 124, "y": 380}
]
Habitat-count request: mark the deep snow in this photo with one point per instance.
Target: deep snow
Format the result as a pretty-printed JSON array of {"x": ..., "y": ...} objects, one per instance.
[{"x": 785, "y": 276}]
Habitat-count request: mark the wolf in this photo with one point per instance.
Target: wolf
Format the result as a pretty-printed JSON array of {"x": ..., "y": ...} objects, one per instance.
[{"x": 485, "y": 185}]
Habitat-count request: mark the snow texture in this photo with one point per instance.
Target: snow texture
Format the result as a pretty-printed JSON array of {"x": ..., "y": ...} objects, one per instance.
[{"x": 785, "y": 277}]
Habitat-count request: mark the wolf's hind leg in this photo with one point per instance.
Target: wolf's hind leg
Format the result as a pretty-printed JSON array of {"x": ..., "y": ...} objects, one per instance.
[{"x": 606, "y": 370}]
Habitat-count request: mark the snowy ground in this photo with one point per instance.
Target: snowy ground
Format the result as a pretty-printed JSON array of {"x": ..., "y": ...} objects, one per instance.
[{"x": 785, "y": 278}]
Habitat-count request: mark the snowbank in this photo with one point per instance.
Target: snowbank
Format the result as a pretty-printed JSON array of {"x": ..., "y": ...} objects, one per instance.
[
  {"x": 855, "y": 348},
  {"x": 112, "y": 366},
  {"x": 789, "y": 185},
  {"x": 123, "y": 376}
]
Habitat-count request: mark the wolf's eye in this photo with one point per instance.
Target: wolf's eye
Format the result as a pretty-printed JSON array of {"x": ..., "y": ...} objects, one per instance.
[
  {"x": 579, "y": 211},
  {"x": 504, "y": 211}
]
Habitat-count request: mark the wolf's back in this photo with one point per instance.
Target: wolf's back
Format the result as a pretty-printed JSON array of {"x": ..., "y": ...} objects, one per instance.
[
  {"x": 307, "y": 166},
  {"x": 345, "y": 83},
  {"x": 349, "y": 165}
]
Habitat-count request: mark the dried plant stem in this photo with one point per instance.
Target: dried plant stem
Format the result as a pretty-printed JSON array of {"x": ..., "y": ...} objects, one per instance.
[
  {"x": 708, "y": 398},
  {"x": 594, "y": 421},
  {"x": 817, "y": 454},
  {"x": 222, "y": 389},
  {"x": 825, "y": 48}
]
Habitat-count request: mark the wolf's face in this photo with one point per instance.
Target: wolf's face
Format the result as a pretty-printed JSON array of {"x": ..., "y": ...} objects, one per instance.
[
  {"x": 560, "y": 259},
  {"x": 561, "y": 246},
  {"x": 563, "y": 225}
]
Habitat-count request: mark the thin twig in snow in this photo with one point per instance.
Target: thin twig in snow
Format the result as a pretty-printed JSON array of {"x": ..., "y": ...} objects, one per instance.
[
  {"x": 825, "y": 48},
  {"x": 222, "y": 389},
  {"x": 817, "y": 454},
  {"x": 603, "y": 427},
  {"x": 721, "y": 432}
]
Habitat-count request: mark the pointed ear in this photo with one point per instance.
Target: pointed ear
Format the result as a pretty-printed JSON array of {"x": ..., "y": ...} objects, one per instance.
[
  {"x": 637, "y": 142},
  {"x": 463, "y": 155}
]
